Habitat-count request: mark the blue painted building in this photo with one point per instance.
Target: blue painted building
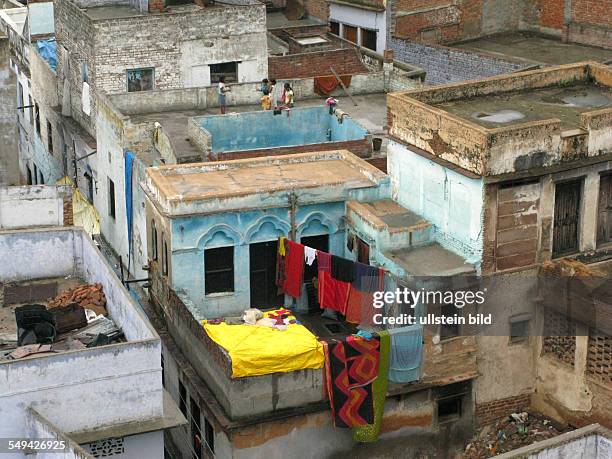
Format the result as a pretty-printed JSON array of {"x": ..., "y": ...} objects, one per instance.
[{"x": 213, "y": 227}]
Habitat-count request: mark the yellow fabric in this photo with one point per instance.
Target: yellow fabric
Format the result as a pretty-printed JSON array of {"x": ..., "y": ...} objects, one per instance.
[
  {"x": 281, "y": 246},
  {"x": 84, "y": 214},
  {"x": 257, "y": 350}
]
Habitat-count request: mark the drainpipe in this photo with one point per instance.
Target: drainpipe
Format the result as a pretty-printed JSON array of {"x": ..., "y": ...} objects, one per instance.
[{"x": 292, "y": 198}]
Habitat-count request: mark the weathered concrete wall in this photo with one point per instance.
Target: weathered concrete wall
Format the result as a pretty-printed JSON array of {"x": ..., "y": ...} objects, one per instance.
[
  {"x": 9, "y": 165},
  {"x": 29, "y": 206}
]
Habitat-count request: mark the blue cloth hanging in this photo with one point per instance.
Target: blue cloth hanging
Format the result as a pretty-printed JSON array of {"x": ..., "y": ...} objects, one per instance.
[
  {"x": 129, "y": 168},
  {"x": 406, "y": 353}
]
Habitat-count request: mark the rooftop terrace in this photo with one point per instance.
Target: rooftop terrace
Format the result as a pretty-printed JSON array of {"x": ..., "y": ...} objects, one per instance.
[
  {"x": 564, "y": 103},
  {"x": 536, "y": 49},
  {"x": 510, "y": 123}
]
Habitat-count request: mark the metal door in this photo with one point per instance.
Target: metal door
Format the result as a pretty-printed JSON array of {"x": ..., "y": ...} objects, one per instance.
[{"x": 567, "y": 217}]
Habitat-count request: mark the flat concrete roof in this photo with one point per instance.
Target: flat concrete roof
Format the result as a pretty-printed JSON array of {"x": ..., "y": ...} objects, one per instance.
[
  {"x": 277, "y": 20},
  {"x": 226, "y": 179},
  {"x": 430, "y": 260},
  {"x": 536, "y": 48},
  {"x": 503, "y": 109}
]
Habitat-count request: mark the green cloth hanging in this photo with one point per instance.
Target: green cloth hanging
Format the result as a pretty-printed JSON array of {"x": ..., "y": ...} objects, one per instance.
[{"x": 370, "y": 432}]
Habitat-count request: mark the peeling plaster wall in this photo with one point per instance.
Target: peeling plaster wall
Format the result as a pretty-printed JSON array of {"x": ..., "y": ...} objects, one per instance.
[
  {"x": 29, "y": 206},
  {"x": 9, "y": 172}
]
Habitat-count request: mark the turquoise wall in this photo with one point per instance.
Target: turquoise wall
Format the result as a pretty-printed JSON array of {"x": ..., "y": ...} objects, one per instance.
[
  {"x": 263, "y": 129},
  {"x": 452, "y": 202}
]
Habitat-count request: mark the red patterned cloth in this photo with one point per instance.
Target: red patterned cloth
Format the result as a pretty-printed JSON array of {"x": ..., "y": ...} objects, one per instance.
[{"x": 351, "y": 365}]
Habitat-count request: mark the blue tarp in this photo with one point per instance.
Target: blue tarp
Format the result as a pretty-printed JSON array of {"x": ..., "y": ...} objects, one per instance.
[
  {"x": 129, "y": 164},
  {"x": 47, "y": 50}
]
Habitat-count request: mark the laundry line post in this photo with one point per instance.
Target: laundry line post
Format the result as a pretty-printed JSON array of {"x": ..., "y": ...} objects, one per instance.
[{"x": 292, "y": 198}]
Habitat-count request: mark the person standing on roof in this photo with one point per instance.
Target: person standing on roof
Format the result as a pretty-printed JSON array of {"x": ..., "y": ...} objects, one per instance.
[{"x": 222, "y": 90}]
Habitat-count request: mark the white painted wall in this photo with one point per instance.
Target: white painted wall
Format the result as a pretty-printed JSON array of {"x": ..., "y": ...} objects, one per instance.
[
  {"x": 28, "y": 206},
  {"x": 149, "y": 445},
  {"x": 367, "y": 19}
]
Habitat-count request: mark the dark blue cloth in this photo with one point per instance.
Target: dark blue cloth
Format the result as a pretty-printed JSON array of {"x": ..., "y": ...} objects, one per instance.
[{"x": 366, "y": 277}]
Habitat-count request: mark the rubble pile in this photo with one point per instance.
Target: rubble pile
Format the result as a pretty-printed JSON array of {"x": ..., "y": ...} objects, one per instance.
[
  {"x": 87, "y": 296},
  {"x": 566, "y": 267},
  {"x": 510, "y": 433}
]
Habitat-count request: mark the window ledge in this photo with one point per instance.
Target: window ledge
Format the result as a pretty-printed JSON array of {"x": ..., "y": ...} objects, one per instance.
[{"x": 219, "y": 294}]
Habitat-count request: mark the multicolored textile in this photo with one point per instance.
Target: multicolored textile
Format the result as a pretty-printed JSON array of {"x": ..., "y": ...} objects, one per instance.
[
  {"x": 370, "y": 432},
  {"x": 351, "y": 368},
  {"x": 405, "y": 356}
]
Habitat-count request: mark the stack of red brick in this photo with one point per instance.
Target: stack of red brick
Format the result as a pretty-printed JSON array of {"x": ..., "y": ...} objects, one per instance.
[{"x": 87, "y": 296}]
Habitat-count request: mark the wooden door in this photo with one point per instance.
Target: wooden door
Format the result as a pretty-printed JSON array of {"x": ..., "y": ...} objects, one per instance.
[
  {"x": 604, "y": 210},
  {"x": 567, "y": 217}
]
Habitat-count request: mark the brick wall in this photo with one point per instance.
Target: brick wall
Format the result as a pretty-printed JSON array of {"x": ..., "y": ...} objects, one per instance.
[
  {"x": 317, "y": 8},
  {"x": 488, "y": 412},
  {"x": 68, "y": 211},
  {"x": 307, "y": 65},
  {"x": 449, "y": 65}
]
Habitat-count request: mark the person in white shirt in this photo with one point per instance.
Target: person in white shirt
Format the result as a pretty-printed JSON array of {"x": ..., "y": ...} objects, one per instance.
[{"x": 222, "y": 89}]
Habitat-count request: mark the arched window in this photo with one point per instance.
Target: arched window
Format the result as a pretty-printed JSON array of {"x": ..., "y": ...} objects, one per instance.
[{"x": 154, "y": 246}]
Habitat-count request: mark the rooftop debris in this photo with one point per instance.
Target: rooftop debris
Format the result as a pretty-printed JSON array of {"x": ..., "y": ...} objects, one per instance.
[
  {"x": 87, "y": 296},
  {"x": 514, "y": 431}
]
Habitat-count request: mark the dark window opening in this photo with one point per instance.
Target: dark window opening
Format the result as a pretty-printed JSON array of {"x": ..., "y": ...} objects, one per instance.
[
  {"x": 363, "y": 251},
  {"x": 29, "y": 175},
  {"x": 262, "y": 264},
  {"x": 519, "y": 329},
  {"x": 163, "y": 371},
  {"x": 164, "y": 256},
  {"x": 111, "y": 198},
  {"x": 219, "y": 270},
  {"x": 20, "y": 97},
  {"x": 49, "y": 137},
  {"x": 90, "y": 187},
  {"x": 209, "y": 435},
  {"x": 449, "y": 408},
  {"x": 182, "y": 398},
  {"x": 35, "y": 175},
  {"x": 154, "y": 245},
  {"x": 449, "y": 330},
  {"x": 41, "y": 178},
  {"x": 37, "y": 116},
  {"x": 31, "y": 109},
  {"x": 140, "y": 80},
  {"x": 368, "y": 39},
  {"x": 196, "y": 431},
  {"x": 227, "y": 69},
  {"x": 318, "y": 243},
  {"x": 334, "y": 27}
]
